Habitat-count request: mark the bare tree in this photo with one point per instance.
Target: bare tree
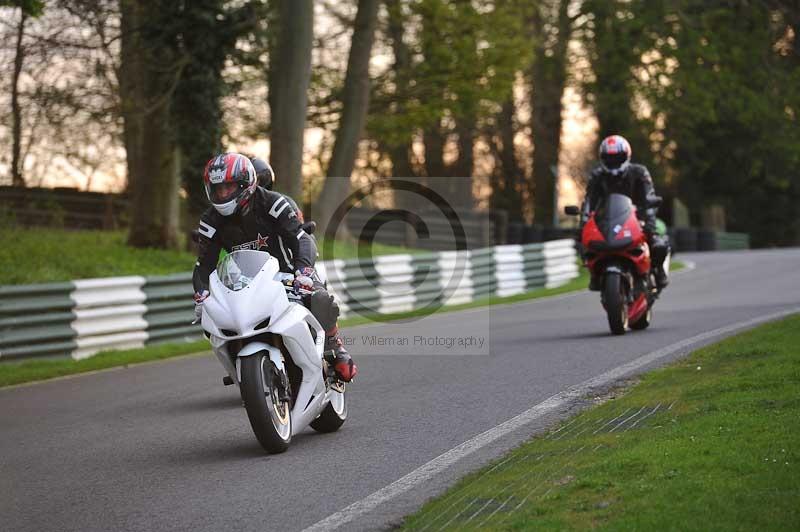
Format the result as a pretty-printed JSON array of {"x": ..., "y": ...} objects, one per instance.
[
  {"x": 16, "y": 162},
  {"x": 59, "y": 86}
]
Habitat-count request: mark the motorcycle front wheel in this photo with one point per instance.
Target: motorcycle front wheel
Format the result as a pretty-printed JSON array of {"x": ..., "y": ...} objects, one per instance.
[
  {"x": 269, "y": 416},
  {"x": 334, "y": 414},
  {"x": 615, "y": 302}
]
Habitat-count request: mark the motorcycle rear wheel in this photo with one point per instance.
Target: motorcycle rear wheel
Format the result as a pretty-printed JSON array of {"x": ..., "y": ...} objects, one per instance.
[
  {"x": 616, "y": 303},
  {"x": 270, "y": 418}
]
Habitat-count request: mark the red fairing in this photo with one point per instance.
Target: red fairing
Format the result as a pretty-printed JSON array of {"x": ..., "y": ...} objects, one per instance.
[
  {"x": 591, "y": 233},
  {"x": 638, "y": 308},
  {"x": 636, "y": 233},
  {"x": 631, "y": 229}
]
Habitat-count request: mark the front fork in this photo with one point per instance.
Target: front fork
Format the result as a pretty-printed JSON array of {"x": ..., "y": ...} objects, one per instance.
[{"x": 626, "y": 278}]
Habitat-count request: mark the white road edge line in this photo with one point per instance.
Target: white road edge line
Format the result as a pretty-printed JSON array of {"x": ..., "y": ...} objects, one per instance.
[{"x": 429, "y": 470}]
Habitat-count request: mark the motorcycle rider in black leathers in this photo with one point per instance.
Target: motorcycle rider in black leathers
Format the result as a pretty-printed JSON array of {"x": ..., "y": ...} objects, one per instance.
[
  {"x": 616, "y": 174},
  {"x": 246, "y": 216}
]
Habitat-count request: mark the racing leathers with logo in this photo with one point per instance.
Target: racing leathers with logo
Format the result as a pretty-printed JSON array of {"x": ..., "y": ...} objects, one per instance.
[{"x": 266, "y": 221}]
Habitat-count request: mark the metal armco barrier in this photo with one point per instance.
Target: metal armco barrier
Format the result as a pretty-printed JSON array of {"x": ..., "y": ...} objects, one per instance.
[
  {"x": 690, "y": 239},
  {"x": 80, "y": 318}
]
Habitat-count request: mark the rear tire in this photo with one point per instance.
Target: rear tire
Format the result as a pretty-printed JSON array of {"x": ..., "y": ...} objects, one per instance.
[
  {"x": 334, "y": 415},
  {"x": 271, "y": 419},
  {"x": 643, "y": 322},
  {"x": 616, "y": 303}
]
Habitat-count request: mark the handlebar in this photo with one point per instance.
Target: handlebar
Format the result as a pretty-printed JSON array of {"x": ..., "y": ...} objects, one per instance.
[
  {"x": 291, "y": 290},
  {"x": 287, "y": 279}
]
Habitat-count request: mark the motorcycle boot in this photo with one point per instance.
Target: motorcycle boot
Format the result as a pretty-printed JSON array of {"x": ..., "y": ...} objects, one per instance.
[
  {"x": 340, "y": 359},
  {"x": 661, "y": 278},
  {"x": 659, "y": 250}
]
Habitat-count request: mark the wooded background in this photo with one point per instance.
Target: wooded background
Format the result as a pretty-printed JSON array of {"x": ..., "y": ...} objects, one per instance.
[{"x": 468, "y": 96}]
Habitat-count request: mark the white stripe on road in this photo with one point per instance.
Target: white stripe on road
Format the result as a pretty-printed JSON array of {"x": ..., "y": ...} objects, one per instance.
[{"x": 429, "y": 470}]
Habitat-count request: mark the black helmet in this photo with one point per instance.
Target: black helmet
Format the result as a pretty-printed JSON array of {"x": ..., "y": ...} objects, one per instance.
[
  {"x": 615, "y": 154},
  {"x": 264, "y": 173}
]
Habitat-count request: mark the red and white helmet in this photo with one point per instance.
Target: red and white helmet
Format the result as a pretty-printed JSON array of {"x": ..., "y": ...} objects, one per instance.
[
  {"x": 615, "y": 154},
  {"x": 230, "y": 180}
]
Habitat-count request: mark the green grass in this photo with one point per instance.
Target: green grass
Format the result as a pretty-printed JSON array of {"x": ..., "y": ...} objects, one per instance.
[
  {"x": 725, "y": 456},
  {"x": 36, "y": 370},
  {"x": 48, "y": 255}
]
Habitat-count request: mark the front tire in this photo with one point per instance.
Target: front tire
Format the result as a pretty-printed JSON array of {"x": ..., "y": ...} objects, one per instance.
[
  {"x": 334, "y": 415},
  {"x": 616, "y": 303},
  {"x": 270, "y": 418}
]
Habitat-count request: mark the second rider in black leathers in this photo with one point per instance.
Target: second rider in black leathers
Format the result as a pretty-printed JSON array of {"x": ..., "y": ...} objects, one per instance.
[
  {"x": 246, "y": 216},
  {"x": 617, "y": 175}
]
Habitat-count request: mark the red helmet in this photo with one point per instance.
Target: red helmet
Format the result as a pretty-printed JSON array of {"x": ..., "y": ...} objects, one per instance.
[
  {"x": 615, "y": 154},
  {"x": 230, "y": 180}
]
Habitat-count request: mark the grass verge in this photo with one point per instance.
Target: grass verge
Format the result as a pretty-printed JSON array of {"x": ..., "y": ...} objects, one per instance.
[
  {"x": 34, "y": 370},
  {"x": 711, "y": 442},
  {"x": 42, "y": 255}
]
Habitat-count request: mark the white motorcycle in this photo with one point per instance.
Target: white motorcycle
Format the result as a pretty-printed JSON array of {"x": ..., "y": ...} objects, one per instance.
[{"x": 272, "y": 348}]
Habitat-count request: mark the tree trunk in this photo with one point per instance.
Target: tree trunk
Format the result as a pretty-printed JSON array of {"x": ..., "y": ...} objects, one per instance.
[
  {"x": 16, "y": 144},
  {"x": 355, "y": 103},
  {"x": 400, "y": 151},
  {"x": 512, "y": 173},
  {"x": 460, "y": 180},
  {"x": 289, "y": 76},
  {"x": 196, "y": 107},
  {"x": 154, "y": 197},
  {"x": 433, "y": 138},
  {"x": 548, "y": 74},
  {"x": 150, "y": 142}
]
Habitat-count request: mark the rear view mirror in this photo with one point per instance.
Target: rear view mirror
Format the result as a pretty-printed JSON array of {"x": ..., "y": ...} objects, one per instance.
[{"x": 572, "y": 210}]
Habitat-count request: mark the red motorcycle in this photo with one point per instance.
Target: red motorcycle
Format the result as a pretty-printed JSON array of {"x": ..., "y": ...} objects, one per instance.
[{"x": 616, "y": 252}]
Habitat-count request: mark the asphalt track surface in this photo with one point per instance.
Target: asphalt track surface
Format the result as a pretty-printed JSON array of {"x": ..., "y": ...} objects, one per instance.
[{"x": 165, "y": 446}]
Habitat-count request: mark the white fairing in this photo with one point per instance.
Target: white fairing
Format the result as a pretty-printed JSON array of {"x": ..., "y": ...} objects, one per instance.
[{"x": 239, "y": 313}]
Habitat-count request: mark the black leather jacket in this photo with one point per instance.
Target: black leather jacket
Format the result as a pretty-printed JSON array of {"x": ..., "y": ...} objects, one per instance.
[
  {"x": 635, "y": 183},
  {"x": 270, "y": 224}
]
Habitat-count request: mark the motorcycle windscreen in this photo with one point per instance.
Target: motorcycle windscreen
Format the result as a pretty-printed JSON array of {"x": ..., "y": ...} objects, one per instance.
[
  {"x": 612, "y": 215},
  {"x": 238, "y": 269}
]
